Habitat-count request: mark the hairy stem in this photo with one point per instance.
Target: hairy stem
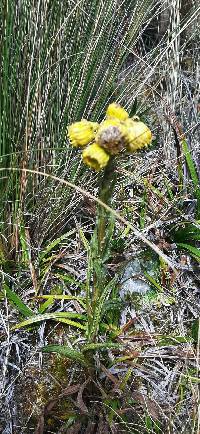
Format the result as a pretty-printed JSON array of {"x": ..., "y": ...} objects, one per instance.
[
  {"x": 101, "y": 246},
  {"x": 105, "y": 194}
]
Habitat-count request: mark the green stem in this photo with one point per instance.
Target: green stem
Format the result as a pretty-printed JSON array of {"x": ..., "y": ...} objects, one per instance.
[
  {"x": 105, "y": 194},
  {"x": 101, "y": 242}
]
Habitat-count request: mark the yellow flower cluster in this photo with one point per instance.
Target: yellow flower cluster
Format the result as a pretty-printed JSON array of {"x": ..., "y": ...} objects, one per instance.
[{"x": 115, "y": 133}]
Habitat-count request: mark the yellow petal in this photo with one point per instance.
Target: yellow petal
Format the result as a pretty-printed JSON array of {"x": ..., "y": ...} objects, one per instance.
[
  {"x": 114, "y": 110},
  {"x": 95, "y": 157},
  {"x": 82, "y": 133},
  {"x": 138, "y": 135}
]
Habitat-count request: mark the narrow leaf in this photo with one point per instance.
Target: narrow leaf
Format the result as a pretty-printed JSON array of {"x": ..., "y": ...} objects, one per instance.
[
  {"x": 190, "y": 163},
  {"x": 100, "y": 346},
  {"x": 59, "y": 316},
  {"x": 69, "y": 279},
  {"x": 55, "y": 243},
  {"x": 99, "y": 309},
  {"x": 193, "y": 173},
  {"x": 71, "y": 323},
  {"x": 62, "y": 297},
  {"x": 84, "y": 240},
  {"x": 153, "y": 281},
  {"x": 44, "y": 306},
  {"x": 188, "y": 232},
  {"x": 195, "y": 330},
  {"x": 67, "y": 352},
  {"x": 12, "y": 296},
  {"x": 193, "y": 250}
]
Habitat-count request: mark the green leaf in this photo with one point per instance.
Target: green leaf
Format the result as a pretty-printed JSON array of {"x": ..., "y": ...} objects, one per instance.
[
  {"x": 168, "y": 186},
  {"x": 54, "y": 243},
  {"x": 172, "y": 340},
  {"x": 101, "y": 346},
  {"x": 44, "y": 306},
  {"x": 62, "y": 297},
  {"x": 70, "y": 279},
  {"x": 21, "y": 307},
  {"x": 67, "y": 352},
  {"x": 191, "y": 379},
  {"x": 97, "y": 314},
  {"x": 190, "y": 163},
  {"x": 123, "y": 359},
  {"x": 187, "y": 232},
  {"x": 109, "y": 235},
  {"x": 71, "y": 323},
  {"x": 125, "y": 380},
  {"x": 84, "y": 240},
  {"x": 193, "y": 250},
  {"x": 153, "y": 281},
  {"x": 193, "y": 173},
  {"x": 195, "y": 331},
  {"x": 113, "y": 305},
  {"x": 57, "y": 316}
]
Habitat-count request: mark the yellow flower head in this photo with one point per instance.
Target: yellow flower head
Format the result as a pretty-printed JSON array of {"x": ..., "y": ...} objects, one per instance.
[
  {"x": 95, "y": 157},
  {"x": 82, "y": 133},
  {"x": 114, "y": 110},
  {"x": 138, "y": 134},
  {"x": 111, "y": 135}
]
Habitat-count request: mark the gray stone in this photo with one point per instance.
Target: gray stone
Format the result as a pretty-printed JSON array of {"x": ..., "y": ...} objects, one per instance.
[{"x": 132, "y": 280}]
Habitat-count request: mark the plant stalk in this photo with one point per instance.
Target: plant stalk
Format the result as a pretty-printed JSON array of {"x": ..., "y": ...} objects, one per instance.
[{"x": 100, "y": 246}]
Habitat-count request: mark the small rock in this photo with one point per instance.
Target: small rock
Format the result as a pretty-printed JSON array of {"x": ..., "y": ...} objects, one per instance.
[{"x": 131, "y": 281}]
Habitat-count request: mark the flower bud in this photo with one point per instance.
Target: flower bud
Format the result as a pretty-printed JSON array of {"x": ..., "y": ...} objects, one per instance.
[
  {"x": 138, "y": 134},
  {"x": 114, "y": 110},
  {"x": 82, "y": 133},
  {"x": 95, "y": 157}
]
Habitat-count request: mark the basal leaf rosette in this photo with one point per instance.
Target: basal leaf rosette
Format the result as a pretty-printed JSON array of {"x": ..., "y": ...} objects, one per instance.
[
  {"x": 82, "y": 133},
  {"x": 111, "y": 135},
  {"x": 138, "y": 135},
  {"x": 95, "y": 157},
  {"x": 114, "y": 110}
]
